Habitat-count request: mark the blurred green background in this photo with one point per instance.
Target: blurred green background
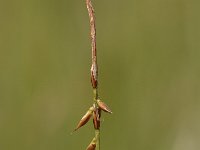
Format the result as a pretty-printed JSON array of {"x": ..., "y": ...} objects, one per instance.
[{"x": 149, "y": 74}]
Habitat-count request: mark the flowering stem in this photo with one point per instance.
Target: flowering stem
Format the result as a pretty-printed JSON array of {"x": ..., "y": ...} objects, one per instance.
[
  {"x": 94, "y": 72},
  {"x": 98, "y": 105}
]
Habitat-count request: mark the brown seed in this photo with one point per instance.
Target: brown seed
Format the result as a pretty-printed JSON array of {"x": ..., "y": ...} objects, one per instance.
[
  {"x": 85, "y": 118},
  {"x": 103, "y": 106}
]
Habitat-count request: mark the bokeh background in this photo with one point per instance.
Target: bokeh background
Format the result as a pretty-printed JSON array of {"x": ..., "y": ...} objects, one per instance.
[{"x": 149, "y": 74}]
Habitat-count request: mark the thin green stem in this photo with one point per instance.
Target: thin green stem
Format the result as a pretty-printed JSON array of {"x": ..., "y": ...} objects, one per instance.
[
  {"x": 95, "y": 94},
  {"x": 97, "y": 137}
]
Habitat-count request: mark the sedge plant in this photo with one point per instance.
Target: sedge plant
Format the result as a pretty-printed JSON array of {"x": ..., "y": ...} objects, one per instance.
[{"x": 98, "y": 106}]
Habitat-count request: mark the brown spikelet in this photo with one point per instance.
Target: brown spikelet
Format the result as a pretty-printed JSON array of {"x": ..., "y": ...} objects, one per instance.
[
  {"x": 96, "y": 118},
  {"x": 85, "y": 118},
  {"x": 103, "y": 106},
  {"x": 92, "y": 145}
]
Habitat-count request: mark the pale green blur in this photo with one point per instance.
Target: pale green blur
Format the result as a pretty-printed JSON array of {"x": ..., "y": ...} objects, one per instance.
[{"x": 149, "y": 74}]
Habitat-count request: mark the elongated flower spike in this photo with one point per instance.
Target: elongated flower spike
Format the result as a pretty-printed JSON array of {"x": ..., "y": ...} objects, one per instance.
[
  {"x": 103, "y": 106},
  {"x": 85, "y": 118}
]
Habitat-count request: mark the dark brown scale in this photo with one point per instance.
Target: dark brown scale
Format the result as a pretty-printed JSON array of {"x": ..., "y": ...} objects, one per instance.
[{"x": 96, "y": 118}]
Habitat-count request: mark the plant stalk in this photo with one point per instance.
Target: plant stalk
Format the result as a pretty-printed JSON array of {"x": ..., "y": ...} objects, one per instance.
[
  {"x": 94, "y": 69},
  {"x": 97, "y": 137}
]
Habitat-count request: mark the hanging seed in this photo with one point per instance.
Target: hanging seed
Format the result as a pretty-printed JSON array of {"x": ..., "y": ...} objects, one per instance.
[
  {"x": 85, "y": 118},
  {"x": 103, "y": 106}
]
